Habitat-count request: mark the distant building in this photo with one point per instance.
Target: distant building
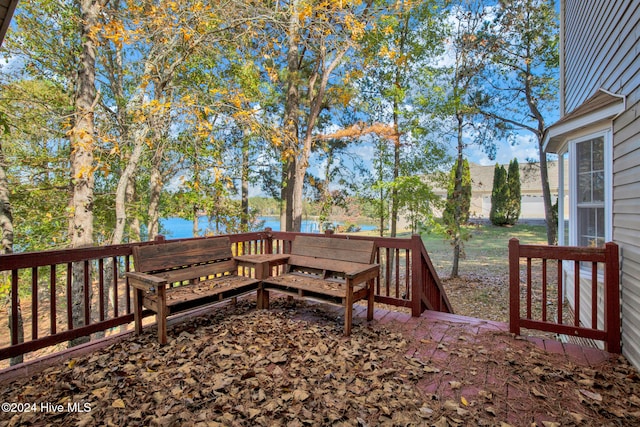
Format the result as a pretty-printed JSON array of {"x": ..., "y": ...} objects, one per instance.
[{"x": 531, "y": 189}]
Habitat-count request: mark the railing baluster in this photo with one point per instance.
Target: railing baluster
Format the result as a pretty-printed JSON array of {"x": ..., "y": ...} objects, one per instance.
[
  {"x": 594, "y": 295},
  {"x": 576, "y": 293},
  {"x": 377, "y": 282},
  {"x": 34, "y": 303},
  {"x": 529, "y": 291},
  {"x": 101, "y": 288},
  {"x": 407, "y": 274},
  {"x": 14, "y": 307},
  {"x": 127, "y": 287},
  {"x": 53, "y": 310},
  {"x": 544, "y": 289},
  {"x": 87, "y": 303},
  {"x": 114, "y": 266},
  {"x": 387, "y": 271},
  {"x": 69, "y": 293},
  {"x": 396, "y": 267},
  {"x": 560, "y": 292}
]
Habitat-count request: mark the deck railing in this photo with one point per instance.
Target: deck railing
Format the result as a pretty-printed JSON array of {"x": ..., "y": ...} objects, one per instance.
[
  {"x": 595, "y": 283},
  {"x": 41, "y": 287}
]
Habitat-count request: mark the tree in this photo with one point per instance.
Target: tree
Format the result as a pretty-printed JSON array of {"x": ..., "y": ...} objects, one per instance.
[
  {"x": 451, "y": 98},
  {"x": 499, "y": 197},
  {"x": 318, "y": 36},
  {"x": 456, "y": 212},
  {"x": 464, "y": 200},
  {"x": 396, "y": 51},
  {"x": 515, "y": 197},
  {"x": 521, "y": 85}
]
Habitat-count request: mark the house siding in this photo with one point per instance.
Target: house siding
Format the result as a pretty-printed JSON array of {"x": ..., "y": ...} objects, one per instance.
[{"x": 601, "y": 50}]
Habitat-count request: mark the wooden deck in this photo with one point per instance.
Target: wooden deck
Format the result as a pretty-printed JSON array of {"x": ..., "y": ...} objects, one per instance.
[{"x": 453, "y": 367}]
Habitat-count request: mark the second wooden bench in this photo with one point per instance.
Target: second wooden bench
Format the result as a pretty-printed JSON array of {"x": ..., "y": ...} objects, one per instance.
[{"x": 334, "y": 270}]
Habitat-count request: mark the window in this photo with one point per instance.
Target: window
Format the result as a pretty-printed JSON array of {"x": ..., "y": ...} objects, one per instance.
[
  {"x": 590, "y": 201},
  {"x": 591, "y": 194}
]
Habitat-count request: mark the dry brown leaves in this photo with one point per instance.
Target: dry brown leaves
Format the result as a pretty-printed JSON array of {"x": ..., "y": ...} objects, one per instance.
[
  {"x": 248, "y": 368},
  {"x": 290, "y": 365}
]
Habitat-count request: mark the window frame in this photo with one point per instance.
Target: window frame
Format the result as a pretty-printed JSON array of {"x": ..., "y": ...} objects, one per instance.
[{"x": 606, "y": 135}]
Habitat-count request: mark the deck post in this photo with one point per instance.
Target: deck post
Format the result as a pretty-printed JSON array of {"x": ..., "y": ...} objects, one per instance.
[
  {"x": 514, "y": 286},
  {"x": 416, "y": 276},
  {"x": 268, "y": 241},
  {"x": 612, "y": 298}
]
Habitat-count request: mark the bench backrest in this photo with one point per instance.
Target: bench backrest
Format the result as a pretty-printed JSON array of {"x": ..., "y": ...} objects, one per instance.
[
  {"x": 168, "y": 256},
  {"x": 338, "y": 251}
]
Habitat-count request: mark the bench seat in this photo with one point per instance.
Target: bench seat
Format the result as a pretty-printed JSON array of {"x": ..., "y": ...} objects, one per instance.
[
  {"x": 332, "y": 270},
  {"x": 178, "y": 276}
]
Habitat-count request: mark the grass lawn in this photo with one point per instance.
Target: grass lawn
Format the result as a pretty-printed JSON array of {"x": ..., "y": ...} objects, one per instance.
[
  {"x": 482, "y": 290},
  {"x": 487, "y": 250}
]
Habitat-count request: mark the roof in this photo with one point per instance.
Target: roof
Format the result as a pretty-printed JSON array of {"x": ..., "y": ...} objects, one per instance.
[
  {"x": 603, "y": 105},
  {"x": 7, "y": 7}
]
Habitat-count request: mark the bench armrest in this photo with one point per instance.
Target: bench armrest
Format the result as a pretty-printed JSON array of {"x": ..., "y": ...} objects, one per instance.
[
  {"x": 363, "y": 274},
  {"x": 145, "y": 282}
]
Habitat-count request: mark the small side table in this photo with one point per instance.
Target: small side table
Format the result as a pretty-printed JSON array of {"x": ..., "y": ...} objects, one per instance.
[{"x": 262, "y": 265}]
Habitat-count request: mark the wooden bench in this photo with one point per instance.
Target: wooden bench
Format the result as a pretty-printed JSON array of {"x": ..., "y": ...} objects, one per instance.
[
  {"x": 207, "y": 266},
  {"x": 334, "y": 270}
]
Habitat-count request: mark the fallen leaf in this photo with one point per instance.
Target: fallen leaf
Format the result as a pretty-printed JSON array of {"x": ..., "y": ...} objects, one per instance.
[
  {"x": 485, "y": 394},
  {"x": 300, "y": 395},
  {"x": 591, "y": 395},
  {"x": 450, "y": 405},
  {"x": 537, "y": 393},
  {"x": 455, "y": 385},
  {"x": 118, "y": 403},
  {"x": 577, "y": 418}
]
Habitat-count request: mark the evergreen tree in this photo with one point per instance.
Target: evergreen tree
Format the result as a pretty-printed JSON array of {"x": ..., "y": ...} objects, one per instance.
[
  {"x": 463, "y": 200},
  {"x": 499, "y": 197},
  {"x": 513, "y": 185}
]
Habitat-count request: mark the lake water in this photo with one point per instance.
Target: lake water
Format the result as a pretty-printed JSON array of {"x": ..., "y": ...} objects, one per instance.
[{"x": 178, "y": 228}]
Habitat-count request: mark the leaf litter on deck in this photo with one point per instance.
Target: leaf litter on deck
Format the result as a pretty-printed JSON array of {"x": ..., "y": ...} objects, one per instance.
[{"x": 240, "y": 366}]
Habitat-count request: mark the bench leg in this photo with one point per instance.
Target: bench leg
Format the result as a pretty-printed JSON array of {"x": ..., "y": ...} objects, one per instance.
[
  {"x": 263, "y": 299},
  {"x": 161, "y": 316},
  {"x": 348, "y": 312},
  {"x": 370, "y": 286},
  {"x": 161, "y": 321},
  {"x": 137, "y": 310}
]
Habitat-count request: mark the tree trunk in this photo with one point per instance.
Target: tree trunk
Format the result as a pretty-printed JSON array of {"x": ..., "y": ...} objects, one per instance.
[
  {"x": 134, "y": 222},
  {"x": 244, "y": 220},
  {"x": 6, "y": 247},
  {"x": 6, "y": 217},
  {"x": 396, "y": 174},
  {"x": 196, "y": 221},
  {"x": 155, "y": 189},
  {"x": 82, "y": 164},
  {"x": 552, "y": 225},
  {"x": 123, "y": 184},
  {"x": 457, "y": 194},
  {"x": 291, "y": 117}
]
